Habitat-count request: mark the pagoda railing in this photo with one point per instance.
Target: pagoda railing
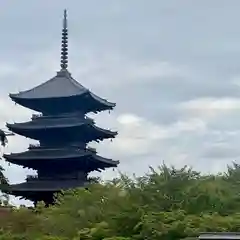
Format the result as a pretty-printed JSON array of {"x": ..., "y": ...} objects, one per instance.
[
  {"x": 92, "y": 149},
  {"x": 33, "y": 146},
  {"x": 35, "y": 116},
  {"x": 73, "y": 176},
  {"x": 31, "y": 177},
  {"x": 70, "y": 146},
  {"x": 65, "y": 115}
]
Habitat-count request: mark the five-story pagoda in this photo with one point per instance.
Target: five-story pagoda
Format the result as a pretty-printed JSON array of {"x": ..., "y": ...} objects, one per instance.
[{"x": 62, "y": 158}]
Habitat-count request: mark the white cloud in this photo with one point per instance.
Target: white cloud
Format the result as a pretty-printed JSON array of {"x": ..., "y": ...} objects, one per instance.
[
  {"x": 139, "y": 136},
  {"x": 222, "y": 104},
  {"x": 6, "y": 69},
  {"x": 235, "y": 80},
  {"x": 210, "y": 107}
]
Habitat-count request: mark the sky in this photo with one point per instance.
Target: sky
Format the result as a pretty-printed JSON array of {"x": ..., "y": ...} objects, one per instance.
[{"x": 172, "y": 67}]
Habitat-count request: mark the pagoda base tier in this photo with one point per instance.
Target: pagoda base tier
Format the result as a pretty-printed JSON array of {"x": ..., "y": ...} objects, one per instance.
[
  {"x": 45, "y": 196},
  {"x": 42, "y": 190}
]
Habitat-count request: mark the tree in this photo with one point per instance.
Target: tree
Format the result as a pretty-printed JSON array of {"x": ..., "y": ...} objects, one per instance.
[
  {"x": 167, "y": 203},
  {"x": 3, "y": 138},
  {"x": 3, "y": 179},
  {"x": 4, "y": 198}
]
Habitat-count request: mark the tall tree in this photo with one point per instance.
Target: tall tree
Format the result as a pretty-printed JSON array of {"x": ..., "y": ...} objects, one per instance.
[
  {"x": 3, "y": 179},
  {"x": 4, "y": 198},
  {"x": 3, "y": 138}
]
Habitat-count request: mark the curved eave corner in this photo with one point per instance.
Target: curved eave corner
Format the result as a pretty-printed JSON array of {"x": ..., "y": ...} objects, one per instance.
[
  {"x": 13, "y": 96},
  {"x": 111, "y": 162},
  {"x": 19, "y": 95},
  {"x": 114, "y": 134},
  {"x": 10, "y": 126},
  {"x": 13, "y": 158},
  {"x": 102, "y": 101},
  {"x": 106, "y": 131},
  {"x": 6, "y": 156},
  {"x": 16, "y": 98}
]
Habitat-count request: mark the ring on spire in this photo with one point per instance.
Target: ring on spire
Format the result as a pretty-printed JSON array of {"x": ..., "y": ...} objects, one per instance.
[{"x": 64, "y": 49}]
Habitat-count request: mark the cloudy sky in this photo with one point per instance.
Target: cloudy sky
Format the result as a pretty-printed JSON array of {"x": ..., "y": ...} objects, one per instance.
[{"x": 172, "y": 67}]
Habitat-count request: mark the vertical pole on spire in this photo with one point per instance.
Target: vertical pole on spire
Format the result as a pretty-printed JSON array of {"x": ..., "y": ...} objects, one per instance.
[{"x": 64, "y": 50}]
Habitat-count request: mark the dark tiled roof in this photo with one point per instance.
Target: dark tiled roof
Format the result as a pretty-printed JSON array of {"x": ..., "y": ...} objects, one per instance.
[
  {"x": 57, "y": 154},
  {"x": 30, "y": 129},
  {"x": 60, "y": 86},
  {"x": 51, "y": 123},
  {"x": 55, "y": 123}
]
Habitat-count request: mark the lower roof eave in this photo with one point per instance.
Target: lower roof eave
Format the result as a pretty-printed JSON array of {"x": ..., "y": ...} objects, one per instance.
[
  {"x": 27, "y": 130},
  {"x": 21, "y": 157},
  {"x": 17, "y": 189},
  {"x": 27, "y": 161}
]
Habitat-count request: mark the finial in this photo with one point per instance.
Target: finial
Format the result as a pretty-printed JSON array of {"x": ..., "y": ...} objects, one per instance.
[
  {"x": 64, "y": 52},
  {"x": 65, "y": 19}
]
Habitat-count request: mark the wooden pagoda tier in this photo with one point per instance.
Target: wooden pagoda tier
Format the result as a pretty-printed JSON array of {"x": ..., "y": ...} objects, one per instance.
[
  {"x": 62, "y": 159},
  {"x": 42, "y": 189},
  {"x": 42, "y": 158},
  {"x": 55, "y": 129}
]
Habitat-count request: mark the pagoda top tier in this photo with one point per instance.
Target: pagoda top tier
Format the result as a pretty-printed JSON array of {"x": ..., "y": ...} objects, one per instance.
[{"x": 62, "y": 91}]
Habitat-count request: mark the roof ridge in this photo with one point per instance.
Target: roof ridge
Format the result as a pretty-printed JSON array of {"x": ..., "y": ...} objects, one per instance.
[{"x": 76, "y": 83}]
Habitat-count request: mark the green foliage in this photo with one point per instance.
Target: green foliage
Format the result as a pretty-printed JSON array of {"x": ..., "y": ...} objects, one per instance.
[
  {"x": 166, "y": 203},
  {"x": 4, "y": 198},
  {"x": 3, "y": 180}
]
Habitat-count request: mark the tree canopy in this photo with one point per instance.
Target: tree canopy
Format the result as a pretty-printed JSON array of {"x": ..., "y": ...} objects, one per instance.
[{"x": 166, "y": 203}]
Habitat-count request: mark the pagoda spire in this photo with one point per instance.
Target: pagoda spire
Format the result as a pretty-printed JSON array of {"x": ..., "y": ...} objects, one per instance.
[{"x": 64, "y": 50}]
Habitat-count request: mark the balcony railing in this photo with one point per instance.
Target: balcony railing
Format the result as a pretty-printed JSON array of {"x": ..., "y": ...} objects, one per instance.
[
  {"x": 33, "y": 146},
  {"x": 35, "y": 116},
  {"x": 31, "y": 177},
  {"x": 92, "y": 149},
  {"x": 63, "y": 115}
]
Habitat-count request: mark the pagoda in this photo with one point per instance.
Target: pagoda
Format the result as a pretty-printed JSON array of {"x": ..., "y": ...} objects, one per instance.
[{"x": 62, "y": 158}]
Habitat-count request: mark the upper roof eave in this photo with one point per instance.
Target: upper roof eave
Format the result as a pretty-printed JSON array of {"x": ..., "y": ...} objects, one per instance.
[
  {"x": 23, "y": 96},
  {"x": 20, "y": 96}
]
